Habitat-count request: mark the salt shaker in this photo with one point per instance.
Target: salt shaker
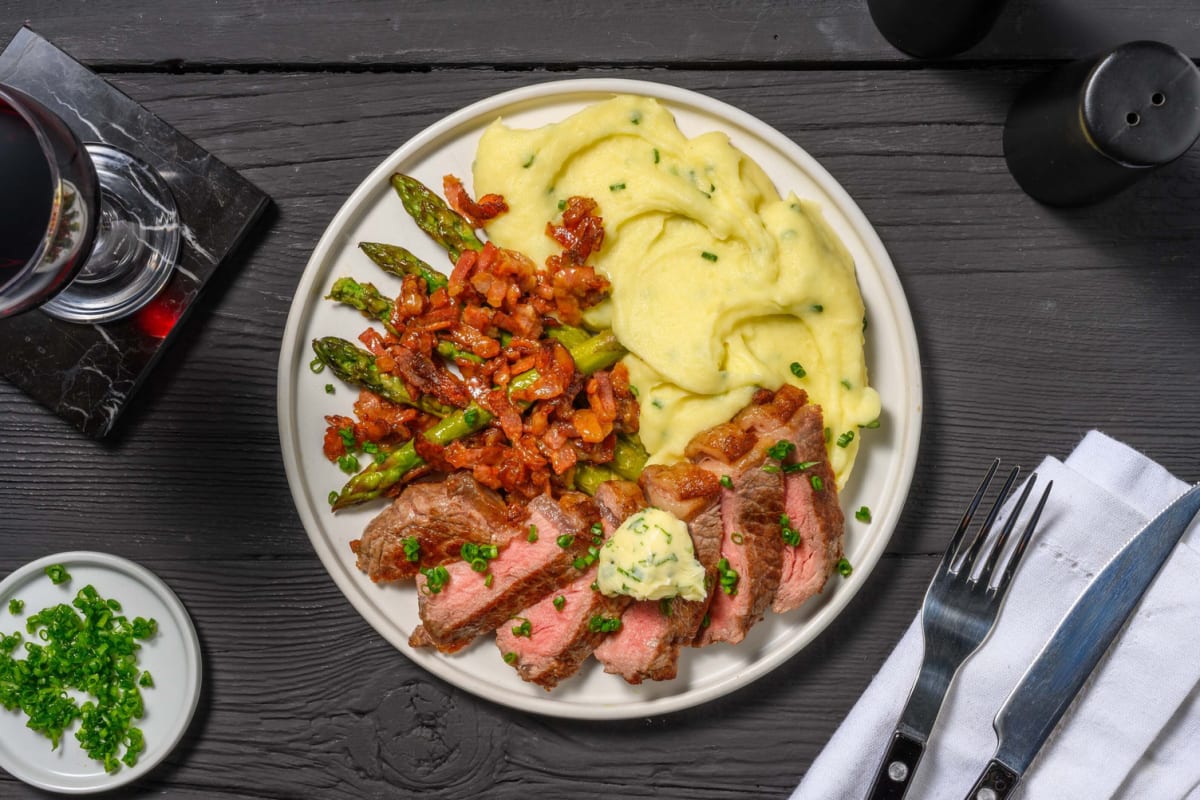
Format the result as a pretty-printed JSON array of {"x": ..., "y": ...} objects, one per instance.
[
  {"x": 934, "y": 28},
  {"x": 1093, "y": 127}
]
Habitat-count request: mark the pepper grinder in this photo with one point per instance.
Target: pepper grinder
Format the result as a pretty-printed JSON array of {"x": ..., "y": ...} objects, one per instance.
[
  {"x": 934, "y": 28},
  {"x": 1093, "y": 127}
]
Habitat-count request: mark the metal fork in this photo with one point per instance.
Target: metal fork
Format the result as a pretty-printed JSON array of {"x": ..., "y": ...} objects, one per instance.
[{"x": 960, "y": 610}]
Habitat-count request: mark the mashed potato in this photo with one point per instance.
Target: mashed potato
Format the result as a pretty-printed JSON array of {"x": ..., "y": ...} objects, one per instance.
[{"x": 719, "y": 285}]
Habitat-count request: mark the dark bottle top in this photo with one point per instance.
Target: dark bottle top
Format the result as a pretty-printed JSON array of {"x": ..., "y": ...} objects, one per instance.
[
  {"x": 934, "y": 28},
  {"x": 1093, "y": 127}
]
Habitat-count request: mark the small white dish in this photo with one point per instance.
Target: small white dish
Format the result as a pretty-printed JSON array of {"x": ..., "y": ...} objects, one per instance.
[{"x": 171, "y": 656}]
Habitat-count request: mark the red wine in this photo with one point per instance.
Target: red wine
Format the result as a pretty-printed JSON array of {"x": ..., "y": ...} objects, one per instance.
[{"x": 26, "y": 192}]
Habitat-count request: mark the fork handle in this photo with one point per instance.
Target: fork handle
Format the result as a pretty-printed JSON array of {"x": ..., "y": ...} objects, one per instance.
[{"x": 897, "y": 768}]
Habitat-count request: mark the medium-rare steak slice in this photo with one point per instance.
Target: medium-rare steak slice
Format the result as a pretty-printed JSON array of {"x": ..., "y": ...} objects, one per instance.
[
  {"x": 469, "y": 603},
  {"x": 440, "y": 517},
  {"x": 814, "y": 516},
  {"x": 565, "y": 626},
  {"x": 652, "y": 631},
  {"x": 748, "y": 455}
]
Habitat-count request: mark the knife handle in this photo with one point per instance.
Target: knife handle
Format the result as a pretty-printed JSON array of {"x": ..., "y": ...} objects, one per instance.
[
  {"x": 996, "y": 783},
  {"x": 897, "y": 768}
]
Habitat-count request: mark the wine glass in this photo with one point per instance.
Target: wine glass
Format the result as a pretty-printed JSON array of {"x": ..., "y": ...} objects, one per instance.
[{"x": 88, "y": 233}]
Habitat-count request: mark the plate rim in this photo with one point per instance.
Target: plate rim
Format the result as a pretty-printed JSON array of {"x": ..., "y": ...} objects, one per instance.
[
  {"x": 911, "y": 406},
  {"x": 191, "y": 645}
]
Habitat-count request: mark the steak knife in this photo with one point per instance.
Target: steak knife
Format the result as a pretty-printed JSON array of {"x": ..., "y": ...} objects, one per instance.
[{"x": 1050, "y": 684}]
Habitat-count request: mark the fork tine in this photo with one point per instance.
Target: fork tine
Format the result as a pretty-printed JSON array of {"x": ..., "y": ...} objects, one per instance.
[
  {"x": 1018, "y": 553},
  {"x": 952, "y": 551},
  {"x": 970, "y": 559},
  {"x": 997, "y": 548}
]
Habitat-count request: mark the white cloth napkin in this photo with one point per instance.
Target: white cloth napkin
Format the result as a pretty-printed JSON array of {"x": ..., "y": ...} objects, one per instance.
[{"x": 1134, "y": 731}]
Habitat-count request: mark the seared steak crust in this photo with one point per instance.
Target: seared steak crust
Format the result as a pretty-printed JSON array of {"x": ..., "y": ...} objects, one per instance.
[
  {"x": 523, "y": 573},
  {"x": 442, "y": 516}
]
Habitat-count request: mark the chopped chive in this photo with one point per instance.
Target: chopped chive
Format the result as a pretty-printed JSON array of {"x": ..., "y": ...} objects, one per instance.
[
  {"x": 57, "y": 574},
  {"x": 737, "y": 538},
  {"x": 533, "y": 536},
  {"x": 817, "y": 483},
  {"x": 333, "y": 496},
  {"x": 845, "y": 439},
  {"x": 726, "y": 481},
  {"x": 602, "y": 624},
  {"x": 616, "y": 187},
  {"x": 510, "y": 658},
  {"x": 799, "y": 466},
  {"x": 665, "y": 606},
  {"x": 566, "y": 540},
  {"x": 436, "y": 578},
  {"x": 817, "y": 308},
  {"x": 798, "y": 370},
  {"x": 656, "y": 158},
  {"x": 790, "y": 535},
  {"x": 487, "y": 581},
  {"x": 780, "y": 450},
  {"x": 559, "y": 601},
  {"x": 728, "y": 577},
  {"x": 844, "y": 567},
  {"x": 347, "y": 464},
  {"x": 16, "y": 606},
  {"x": 772, "y": 468},
  {"x": 329, "y": 388},
  {"x": 872, "y": 424},
  {"x": 525, "y": 628},
  {"x": 708, "y": 256},
  {"x": 412, "y": 549},
  {"x": 562, "y": 204},
  {"x": 863, "y": 514},
  {"x": 529, "y": 161},
  {"x": 636, "y": 117},
  {"x": 846, "y": 383}
]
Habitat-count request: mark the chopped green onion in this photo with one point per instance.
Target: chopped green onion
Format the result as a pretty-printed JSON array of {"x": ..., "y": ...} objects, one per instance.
[
  {"x": 559, "y": 601},
  {"x": 844, "y": 567},
  {"x": 329, "y": 388},
  {"x": 872, "y": 424},
  {"x": 726, "y": 481},
  {"x": 57, "y": 574},
  {"x": 790, "y": 535},
  {"x": 845, "y": 439},
  {"x": 436, "y": 578},
  {"x": 510, "y": 658},
  {"x": 532, "y": 537},
  {"x": 728, "y": 576},
  {"x": 737, "y": 538},
  {"x": 478, "y": 555},
  {"x": 799, "y": 466},
  {"x": 602, "y": 624},
  {"x": 347, "y": 464},
  {"x": 781, "y": 450},
  {"x": 16, "y": 606},
  {"x": 566, "y": 540},
  {"x": 412, "y": 549},
  {"x": 146, "y": 681},
  {"x": 487, "y": 581},
  {"x": 316, "y": 365},
  {"x": 525, "y": 628},
  {"x": 772, "y": 468},
  {"x": 562, "y": 205},
  {"x": 863, "y": 514},
  {"x": 817, "y": 483}
]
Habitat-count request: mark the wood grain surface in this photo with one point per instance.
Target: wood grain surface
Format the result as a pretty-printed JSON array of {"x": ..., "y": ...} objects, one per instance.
[{"x": 1035, "y": 325}]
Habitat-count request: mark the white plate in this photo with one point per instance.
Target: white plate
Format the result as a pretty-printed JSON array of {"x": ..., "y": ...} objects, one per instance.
[
  {"x": 172, "y": 657},
  {"x": 374, "y": 213}
]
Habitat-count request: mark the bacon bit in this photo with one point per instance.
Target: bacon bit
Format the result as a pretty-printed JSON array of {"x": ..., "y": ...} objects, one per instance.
[
  {"x": 589, "y": 426},
  {"x": 476, "y": 211},
  {"x": 422, "y": 375},
  {"x": 581, "y": 232}
]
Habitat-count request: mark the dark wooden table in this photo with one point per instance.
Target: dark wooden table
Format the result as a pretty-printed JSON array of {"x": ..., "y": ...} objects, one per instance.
[{"x": 1034, "y": 324}]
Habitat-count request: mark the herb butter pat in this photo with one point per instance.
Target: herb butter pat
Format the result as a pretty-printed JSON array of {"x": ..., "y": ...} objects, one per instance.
[{"x": 650, "y": 557}]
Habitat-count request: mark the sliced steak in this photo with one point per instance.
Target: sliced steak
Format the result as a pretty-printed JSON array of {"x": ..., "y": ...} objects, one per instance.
[
  {"x": 441, "y": 516},
  {"x": 814, "y": 514},
  {"x": 561, "y": 632},
  {"x": 522, "y": 573},
  {"x": 652, "y": 631},
  {"x": 752, "y": 505}
]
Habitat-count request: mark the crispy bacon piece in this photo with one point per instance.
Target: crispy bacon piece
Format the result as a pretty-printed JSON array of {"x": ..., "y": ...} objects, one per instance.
[{"x": 476, "y": 211}]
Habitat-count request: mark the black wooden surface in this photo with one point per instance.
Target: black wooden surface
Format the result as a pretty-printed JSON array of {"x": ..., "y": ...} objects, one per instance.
[{"x": 1035, "y": 325}]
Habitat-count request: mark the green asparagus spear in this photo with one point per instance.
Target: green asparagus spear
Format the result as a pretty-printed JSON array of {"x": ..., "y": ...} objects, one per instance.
[
  {"x": 395, "y": 260},
  {"x": 366, "y": 298},
  {"x": 600, "y": 351},
  {"x": 447, "y": 227},
  {"x": 629, "y": 456},
  {"x": 589, "y": 476},
  {"x": 356, "y": 366}
]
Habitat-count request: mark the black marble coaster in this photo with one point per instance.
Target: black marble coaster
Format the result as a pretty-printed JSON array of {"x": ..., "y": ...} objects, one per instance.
[{"x": 87, "y": 373}]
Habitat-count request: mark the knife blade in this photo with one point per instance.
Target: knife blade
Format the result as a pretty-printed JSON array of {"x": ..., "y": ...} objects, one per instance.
[{"x": 1035, "y": 706}]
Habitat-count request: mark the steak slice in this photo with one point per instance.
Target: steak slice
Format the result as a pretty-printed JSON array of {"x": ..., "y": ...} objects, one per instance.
[
  {"x": 814, "y": 514},
  {"x": 752, "y": 505},
  {"x": 561, "y": 634},
  {"x": 442, "y": 516},
  {"x": 652, "y": 631},
  {"x": 523, "y": 572}
]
